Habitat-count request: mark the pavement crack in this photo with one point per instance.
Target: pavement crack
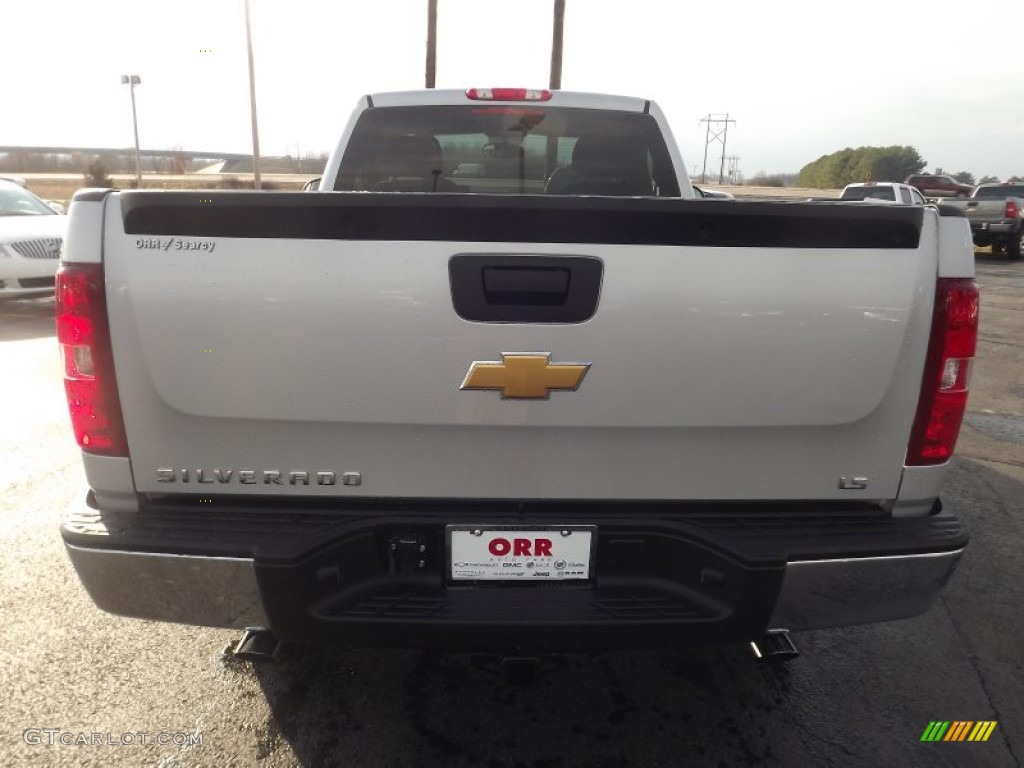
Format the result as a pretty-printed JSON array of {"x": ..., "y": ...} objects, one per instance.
[
  {"x": 972, "y": 657},
  {"x": 974, "y": 457},
  {"x": 1001, "y": 343}
]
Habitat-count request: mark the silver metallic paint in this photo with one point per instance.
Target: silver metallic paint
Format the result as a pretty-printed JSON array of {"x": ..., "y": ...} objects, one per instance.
[{"x": 798, "y": 365}]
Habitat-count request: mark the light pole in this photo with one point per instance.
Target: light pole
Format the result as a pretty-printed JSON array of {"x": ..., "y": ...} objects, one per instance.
[
  {"x": 131, "y": 81},
  {"x": 256, "y": 178},
  {"x": 556, "y": 46},
  {"x": 431, "y": 43}
]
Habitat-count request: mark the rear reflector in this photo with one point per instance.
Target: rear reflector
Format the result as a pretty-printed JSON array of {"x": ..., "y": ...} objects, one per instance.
[
  {"x": 947, "y": 370},
  {"x": 83, "y": 333},
  {"x": 507, "y": 94}
]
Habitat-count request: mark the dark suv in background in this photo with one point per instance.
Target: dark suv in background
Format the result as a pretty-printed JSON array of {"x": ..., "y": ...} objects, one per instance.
[{"x": 939, "y": 186}]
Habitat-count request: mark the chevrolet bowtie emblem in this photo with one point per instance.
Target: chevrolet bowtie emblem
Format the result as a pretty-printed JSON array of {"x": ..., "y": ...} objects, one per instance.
[{"x": 525, "y": 376}]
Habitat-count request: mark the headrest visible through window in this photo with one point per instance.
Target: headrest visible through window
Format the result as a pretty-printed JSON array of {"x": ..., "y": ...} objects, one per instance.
[
  {"x": 418, "y": 156},
  {"x": 609, "y": 156}
]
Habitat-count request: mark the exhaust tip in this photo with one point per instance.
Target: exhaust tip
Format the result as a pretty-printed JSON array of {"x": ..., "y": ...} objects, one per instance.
[
  {"x": 257, "y": 644},
  {"x": 774, "y": 645}
]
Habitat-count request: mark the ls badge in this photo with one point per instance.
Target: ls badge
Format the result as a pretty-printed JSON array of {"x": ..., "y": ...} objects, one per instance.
[{"x": 525, "y": 376}]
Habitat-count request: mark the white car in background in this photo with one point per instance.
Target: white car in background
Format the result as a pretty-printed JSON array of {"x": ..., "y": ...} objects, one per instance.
[{"x": 31, "y": 236}]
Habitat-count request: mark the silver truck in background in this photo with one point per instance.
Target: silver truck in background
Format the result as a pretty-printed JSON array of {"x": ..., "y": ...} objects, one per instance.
[{"x": 996, "y": 214}]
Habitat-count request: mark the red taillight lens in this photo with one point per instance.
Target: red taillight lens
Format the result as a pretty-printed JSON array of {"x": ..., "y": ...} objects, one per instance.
[
  {"x": 508, "y": 94},
  {"x": 1012, "y": 211},
  {"x": 84, "y": 337},
  {"x": 946, "y": 374}
]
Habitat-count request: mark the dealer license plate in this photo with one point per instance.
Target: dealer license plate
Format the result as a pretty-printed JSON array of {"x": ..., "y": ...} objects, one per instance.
[{"x": 537, "y": 554}]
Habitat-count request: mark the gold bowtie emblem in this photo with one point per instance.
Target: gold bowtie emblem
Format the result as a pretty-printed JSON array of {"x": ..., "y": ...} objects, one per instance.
[{"x": 525, "y": 376}]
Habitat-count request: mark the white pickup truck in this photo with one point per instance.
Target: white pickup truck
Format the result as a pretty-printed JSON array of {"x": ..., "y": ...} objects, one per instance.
[
  {"x": 502, "y": 384},
  {"x": 885, "y": 192}
]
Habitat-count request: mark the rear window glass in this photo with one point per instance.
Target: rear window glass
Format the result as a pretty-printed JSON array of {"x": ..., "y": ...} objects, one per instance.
[
  {"x": 869, "y": 193},
  {"x": 1003, "y": 190},
  {"x": 502, "y": 149}
]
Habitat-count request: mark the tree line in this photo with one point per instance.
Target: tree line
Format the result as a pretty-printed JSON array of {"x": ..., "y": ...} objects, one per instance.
[
  {"x": 850, "y": 165},
  {"x": 895, "y": 163}
]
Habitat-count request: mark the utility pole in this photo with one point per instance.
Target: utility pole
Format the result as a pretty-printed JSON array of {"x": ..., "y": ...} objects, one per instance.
[
  {"x": 555, "y": 81},
  {"x": 717, "y": 130},
  {"x": 431, "y": 42},
  {"x": 257, "y": 181},
  {"x": 131, "y": 81},
  {"x": 556, "y": 46}
]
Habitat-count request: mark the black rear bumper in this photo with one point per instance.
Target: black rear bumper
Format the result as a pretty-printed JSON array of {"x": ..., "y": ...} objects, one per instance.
[
  {"x": 655, "y": 583},
  {"x": 988, "y": 232},
  {"x": 665, "y": 574}
]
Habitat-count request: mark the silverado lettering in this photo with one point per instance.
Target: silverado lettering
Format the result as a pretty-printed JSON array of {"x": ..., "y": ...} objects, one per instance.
[{"x": 245, "y": 476}]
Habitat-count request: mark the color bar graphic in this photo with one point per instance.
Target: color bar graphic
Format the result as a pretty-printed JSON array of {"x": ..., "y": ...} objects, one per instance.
[
  {"x": 982, "y": 730},
  {"x": 935, "y": 731},
  {"x": 959, "y": 730}
]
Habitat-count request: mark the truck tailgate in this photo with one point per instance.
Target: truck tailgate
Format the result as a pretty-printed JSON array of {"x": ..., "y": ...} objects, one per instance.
[
  {"x": 983, "y": 209},
  {"x": 309, "y": 345}
]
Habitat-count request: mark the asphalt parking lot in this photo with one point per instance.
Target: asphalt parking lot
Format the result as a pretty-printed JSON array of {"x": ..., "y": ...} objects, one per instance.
[{"x": 855, "y": 697}]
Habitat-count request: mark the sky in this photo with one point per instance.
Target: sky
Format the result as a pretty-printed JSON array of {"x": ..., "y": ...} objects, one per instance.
[{"x": 801, "y": 78}]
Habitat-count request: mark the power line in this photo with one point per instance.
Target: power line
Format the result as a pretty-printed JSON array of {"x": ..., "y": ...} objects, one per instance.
[
  {"x": 717, "y": 130},
  {"x": 734, "y": 169}
]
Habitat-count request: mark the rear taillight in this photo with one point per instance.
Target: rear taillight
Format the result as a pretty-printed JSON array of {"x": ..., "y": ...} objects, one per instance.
[
  {"x": 1012, "y": 211},
  {"x": 946, "y": 373},
  {"x": 508, "y": 94},
  {"x": 83, "y": 333}
]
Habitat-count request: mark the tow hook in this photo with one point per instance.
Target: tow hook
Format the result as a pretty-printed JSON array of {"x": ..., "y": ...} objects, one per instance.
[
  {"x": 257, "y": 644},
  {"x": 775, "y": 645}
]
